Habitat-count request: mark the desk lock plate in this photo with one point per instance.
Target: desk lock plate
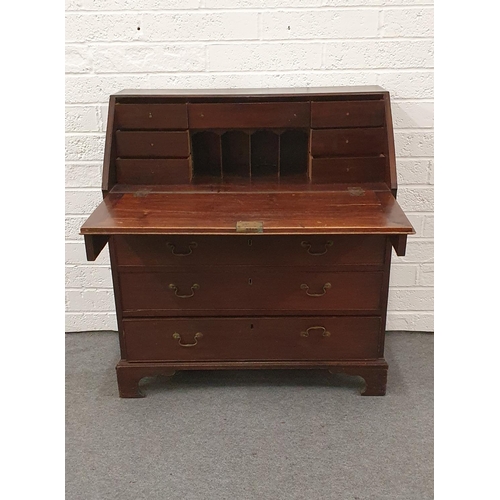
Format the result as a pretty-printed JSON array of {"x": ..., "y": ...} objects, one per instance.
[{"x": 244, "y": 226}]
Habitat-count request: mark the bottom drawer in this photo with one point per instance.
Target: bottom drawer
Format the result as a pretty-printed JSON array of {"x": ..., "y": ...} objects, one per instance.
[{"x": 224, "y": 339}]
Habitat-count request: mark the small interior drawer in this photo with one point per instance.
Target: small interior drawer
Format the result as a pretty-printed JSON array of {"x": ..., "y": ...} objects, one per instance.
[
  {"x": 340, "y": 114},
  {"x": 212, "y": 339},
  {"x": 151, "y": 116},
  {"x": 353, "y": 170},
  {"x": 348, "y": 142},
  {"x": 249, "y": 115},
  {"x": 152, "y": 144},
  {"x": 152, "y": 171}
]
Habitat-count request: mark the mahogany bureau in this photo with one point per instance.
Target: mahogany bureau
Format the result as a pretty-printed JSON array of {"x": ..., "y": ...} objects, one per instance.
[{"x": 250, "y": 229}]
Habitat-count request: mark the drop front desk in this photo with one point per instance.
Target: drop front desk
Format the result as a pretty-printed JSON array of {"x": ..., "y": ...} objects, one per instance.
[{"x": 250, "y": 229}]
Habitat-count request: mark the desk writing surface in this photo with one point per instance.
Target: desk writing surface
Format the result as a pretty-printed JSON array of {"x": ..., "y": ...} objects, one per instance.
[{"x": 339, "y": 212}]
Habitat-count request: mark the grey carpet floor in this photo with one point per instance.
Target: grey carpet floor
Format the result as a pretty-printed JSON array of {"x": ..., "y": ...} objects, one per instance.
[{"x": 238, "y": 435}]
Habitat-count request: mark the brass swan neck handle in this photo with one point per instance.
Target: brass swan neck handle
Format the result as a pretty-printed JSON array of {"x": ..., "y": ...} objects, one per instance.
[
  {"x": 197, "y": 336},
  {"x": 305, "y": 287},
  {"x": 194, "y": 287},
  {"x": 325, "y": 332},
  {"x": 191, "y": 245},
  {"x": 308, "y": 245}
]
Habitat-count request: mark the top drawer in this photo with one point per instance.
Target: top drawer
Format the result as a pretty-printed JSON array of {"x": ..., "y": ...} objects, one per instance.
[
  {"x": 344, "y": 114},
  {"x": 239, "y": 250},
  {"x": 249, "y": 115},
  {"x": 151, "y": 116}
]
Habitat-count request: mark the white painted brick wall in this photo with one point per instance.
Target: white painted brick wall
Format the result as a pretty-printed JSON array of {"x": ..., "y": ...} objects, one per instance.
[{"x": 116, "y": 44}]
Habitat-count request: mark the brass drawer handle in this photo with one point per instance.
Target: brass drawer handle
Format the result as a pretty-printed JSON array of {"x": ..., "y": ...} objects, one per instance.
[
  {"x": 306, "y": 288},
  {"x": 192, "y": 245},
  {"x": 196, "y": 337},
  {"x": 325, "y": 332},
  {"x": 308, "y": 245},
  {"x": 175, "y": 289}
]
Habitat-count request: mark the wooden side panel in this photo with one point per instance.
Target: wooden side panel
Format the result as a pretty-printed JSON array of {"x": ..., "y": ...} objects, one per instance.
[
  {"x": 294, "y": 152},
  {"x": 206, "y": 155},
  {"x": 249, "y": 115},
  {"x": 117, "y": 296},
  {"x": 265, "y": 154},
  {"x": 348, "y": 170},
  {"x": 384, "y": 295},
  {"x": 151, "y": 116},
  {"x": 152, "y": 144},
  {"x": 343, "y": 114},
  {"x": 391, "y": 177},
  {"x": 235, "y": 146},
  {"x": 152, "y": 171},
  {"x": 108, "y": 170},
  {"x": 298, "y": 338},
  {"x": 348, "y": 142}
]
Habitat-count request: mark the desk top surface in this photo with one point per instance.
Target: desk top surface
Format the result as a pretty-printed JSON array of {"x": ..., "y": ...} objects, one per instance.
[
  {"x": 296, "y": 91},
  {"x": 205, "y": 211}
]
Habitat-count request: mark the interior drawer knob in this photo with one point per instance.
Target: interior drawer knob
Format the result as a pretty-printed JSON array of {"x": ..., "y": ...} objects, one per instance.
[
  {"x": 194, "y": 287},
  {"x": 325, "y": 333},
  {"x": 308, "y": 245},
  {"x": 196, "y": 337},
  {"x": 191, "y": 245},
  {"x": 305, "y": 287}
]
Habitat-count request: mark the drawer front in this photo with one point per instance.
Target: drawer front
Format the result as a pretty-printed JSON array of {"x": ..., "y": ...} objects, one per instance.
[
  {"x": 186, "y": 251},
  {"x": 349, "y": 170},
  {"x": 151, "y": 116},
  {"x": 152, "y": 144},
  {"x": 297, "y": 338},
  {"x": 249, "y": 115},
  {"x": 234, "y": 290},
  {"x": 338, "y": 114},
  {"x": 348, "y": 141},
  {"x": 152, "y": 171}
]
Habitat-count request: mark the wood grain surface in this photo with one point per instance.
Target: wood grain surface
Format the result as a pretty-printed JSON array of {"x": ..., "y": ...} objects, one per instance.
[
  {"x": 350, "y": 170},
  {"x": 152, "y": 144},
  {"x": 151, "y": 116},
  {"x": 252, "y": 338},
  {"x": 183, "y": 251},
  {"x": 249, "y": 115},
  {"x": 153, "y": 171},
  {"x": 217, "y": 213},
  {"x": 338, "y": 114},
  {"x": 235, "y": 291},
  {"x": 348, "y": 142}
]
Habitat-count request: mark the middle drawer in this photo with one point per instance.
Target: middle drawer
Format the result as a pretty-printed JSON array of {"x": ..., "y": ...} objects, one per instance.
[{"x": 237, "y": 290}]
